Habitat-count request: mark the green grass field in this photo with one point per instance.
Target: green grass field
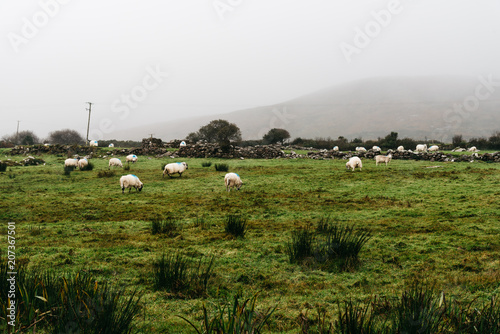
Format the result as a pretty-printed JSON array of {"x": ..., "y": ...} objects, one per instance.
[{"x": 438, "y": 221}]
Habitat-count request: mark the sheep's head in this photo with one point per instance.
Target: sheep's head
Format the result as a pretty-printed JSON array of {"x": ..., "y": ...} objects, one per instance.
[
  {"x": 185, "y": 165},
  {"x": 239, "y": 185},
  {"x": 140, "y": 186}
]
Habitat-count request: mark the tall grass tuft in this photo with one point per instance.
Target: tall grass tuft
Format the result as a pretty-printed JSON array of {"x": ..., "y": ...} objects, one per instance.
[
  {"x": 301, "y": 246},
  {"x": 419, "y": 311},
  {"x": 106, "y": 173},
  {"x": 221, "y": 167},
  {"x": 238, "y": 318},
  {"x": 206, "y": 164},
  {"x": 341, "y": 247},
  {"x": 181, "y": 276},
  {"x": 68, "y": 170},
  {"x": 236, "y": 225},
  {"x": 167, "y": 226},
  {"x": 78, "y": 303},
  {"x": 353, "y": 319},
  {"x": 3, "y": 166},
  {"x": 470, "y": 319}
]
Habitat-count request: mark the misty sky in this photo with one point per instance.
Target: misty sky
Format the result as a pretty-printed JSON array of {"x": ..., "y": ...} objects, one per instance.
[{"x": 143, "y": 62}]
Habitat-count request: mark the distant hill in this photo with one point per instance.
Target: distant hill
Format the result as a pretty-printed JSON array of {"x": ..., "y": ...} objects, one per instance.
[{"x": 415, "y": 107}]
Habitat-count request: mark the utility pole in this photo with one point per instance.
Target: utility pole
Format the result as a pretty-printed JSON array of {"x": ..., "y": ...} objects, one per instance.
[
  {"x": 17, "y": 133},
  {"x": 88, "y": 124}
]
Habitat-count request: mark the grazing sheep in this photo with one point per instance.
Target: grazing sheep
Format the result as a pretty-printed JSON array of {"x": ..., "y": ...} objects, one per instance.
[
  {"x": 433, "y": 148},
  {"x": 383, "y": 158},
  {"x": 111, "y": 145},
  {"x": 473, "y": 149},
  {"x": 376, "y": 149},
  {"x": 130, "y": 181},
  {"x": 71, "y": 163},
  {"x": 421, "y": 148},
  {"x": 360, "y": 149},
  {"x": 400, "y": 149},
  {"x": 94, "y": 143},
  {"x": 82, "y": 163},
  {"x": 353, "y": 163},
  {"x": 232, "y": 180},
  {"x": 176, "y": 167},
  {"x": 335, "y": 148},
  {"x": 183, "y": 143},
  {"x": 115, "y": 162},
  {"x": 131, "y": 157},
  {"x": 458, "y": 149}
]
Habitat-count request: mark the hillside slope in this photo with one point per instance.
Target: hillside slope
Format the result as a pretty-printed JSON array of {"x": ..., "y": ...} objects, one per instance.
[{"x": 415, "y": 107}]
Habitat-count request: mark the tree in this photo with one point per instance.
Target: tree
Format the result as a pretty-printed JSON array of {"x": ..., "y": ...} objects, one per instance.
[
  {"x": 66, "y": 137},
  {"x": 26, "y": 137},
  {"x": 457, "y": 140},
  {"x": 276, "y": 135},
  {"x": 390, "y": 141},
  {"x": 217, "y": 131}
]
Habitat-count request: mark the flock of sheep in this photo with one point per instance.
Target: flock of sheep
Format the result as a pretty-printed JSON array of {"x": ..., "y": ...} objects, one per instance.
[{"x": 233, "y": 180}]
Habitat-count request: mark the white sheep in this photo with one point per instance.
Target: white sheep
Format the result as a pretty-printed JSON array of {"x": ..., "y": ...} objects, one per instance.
[
  {"x": 130, "y": 181},
  {"x": 360, "y": 149},
  {"x": 421, "y": 148},
  {"x": 71, "y": 163},
  {"x": 335, "y": 148},
  {"x": 182, "y": 144},
  {"x": 458, "y": 149},
  {"x": 433, "y": 148},
  {"x": 353, "y": 163},
  {"x": 82, "y": 163},
  {"x": 401, "y": 149},
  {"x": 376, "y": 149},
  {"x": 94, "y": 143},
  {"x": 383, "y": 158},
  {"x": 473, "y": 149},
  {"x": 115, "y": 162},
  {"x": 176, "y": 167},
  {"x": 232, "y": 180},
  {"x": 111, "y": 145},
  {"x": 131, "y": 157}
]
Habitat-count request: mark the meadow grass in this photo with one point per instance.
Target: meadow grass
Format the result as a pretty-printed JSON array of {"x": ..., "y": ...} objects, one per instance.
[{"x": 428, "y": 219}]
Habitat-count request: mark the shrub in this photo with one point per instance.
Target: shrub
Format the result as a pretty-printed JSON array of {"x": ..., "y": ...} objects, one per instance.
[
  {"x": 236, "y": 225},
  {"x": 3, "y": 166},
  {"x": 221, "y": 167},
  {"x": 238, "y": 318},
  {"x": 206, "y": 164},
  {"x": 68, "y": 170},
  {"x": 181, "y": 276},
  {"x": 301, "y": 245},
  {"x": 106, "y": 173},
  {"x": 166, "y": 226}
]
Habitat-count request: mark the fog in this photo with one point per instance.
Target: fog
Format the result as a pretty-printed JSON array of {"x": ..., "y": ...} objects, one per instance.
[{"x": 144, "y": 62}]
